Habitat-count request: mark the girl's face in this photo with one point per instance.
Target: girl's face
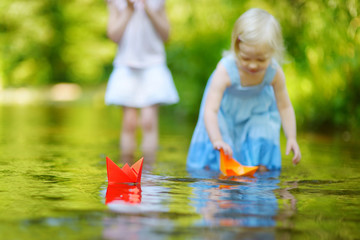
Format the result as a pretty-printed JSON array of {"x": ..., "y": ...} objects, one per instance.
[{"x": 254, "y": 59}]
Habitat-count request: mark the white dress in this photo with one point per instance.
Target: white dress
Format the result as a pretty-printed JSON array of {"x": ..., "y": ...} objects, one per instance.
[{"x": 140, "y": 77}]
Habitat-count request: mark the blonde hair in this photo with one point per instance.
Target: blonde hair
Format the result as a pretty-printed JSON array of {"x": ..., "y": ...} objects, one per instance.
[{"x": 257, "y": 26}]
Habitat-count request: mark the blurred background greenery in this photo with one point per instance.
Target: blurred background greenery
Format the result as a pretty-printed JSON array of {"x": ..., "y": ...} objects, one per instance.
[{"x": 47, "y": 42}]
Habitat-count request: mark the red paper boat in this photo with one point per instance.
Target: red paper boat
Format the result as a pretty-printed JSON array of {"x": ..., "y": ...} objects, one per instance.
[
  {"x": 230, "y": 167},
  {"x": 126, "y": 174},
  {"x": 123, "y": 192}
]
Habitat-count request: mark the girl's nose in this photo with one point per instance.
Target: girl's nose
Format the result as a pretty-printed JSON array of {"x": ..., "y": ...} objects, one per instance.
[{"x": 253, "y": 65}]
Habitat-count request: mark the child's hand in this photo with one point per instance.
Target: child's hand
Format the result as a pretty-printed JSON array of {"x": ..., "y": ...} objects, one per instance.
[
  {"x": 292, "y": 145},
  {"x": 226, "y": 147}
]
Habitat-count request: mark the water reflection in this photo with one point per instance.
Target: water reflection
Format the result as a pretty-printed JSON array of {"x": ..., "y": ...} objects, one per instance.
[
  {"x": 135, "y": 198},
  {"x": 136, "y": 209},
  {"x": 52, "y": 165},
  {"x": 238, "y": 201},
  {"x": 125, "y": 193},
  {"x": 238, "y": 207}
]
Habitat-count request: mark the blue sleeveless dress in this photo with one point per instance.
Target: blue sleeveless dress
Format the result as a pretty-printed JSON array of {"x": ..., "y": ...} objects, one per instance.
[{"x": 249, "y": 122}]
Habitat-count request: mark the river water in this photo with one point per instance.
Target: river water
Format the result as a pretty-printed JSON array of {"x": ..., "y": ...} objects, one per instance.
[{"x": 53, "y": 184}]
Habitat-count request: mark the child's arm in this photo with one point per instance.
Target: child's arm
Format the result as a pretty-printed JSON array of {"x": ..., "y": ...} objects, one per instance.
[
  {"x": 287, "y": 115},
  {"x": 159, "y": 20},
  {"x": 220, "y": 81},
  {"x": 118, "y": 20}
]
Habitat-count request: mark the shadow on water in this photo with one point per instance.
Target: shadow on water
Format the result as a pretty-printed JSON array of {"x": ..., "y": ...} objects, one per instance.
[{"x": 53, "y": 184}]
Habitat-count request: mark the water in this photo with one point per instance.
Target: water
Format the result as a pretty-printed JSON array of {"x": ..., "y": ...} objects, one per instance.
[{"x": 53, "y": 185}]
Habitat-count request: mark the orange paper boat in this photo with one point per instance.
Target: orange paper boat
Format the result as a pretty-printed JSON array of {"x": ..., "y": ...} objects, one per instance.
[
  {"x": 126, "y": 174},
  {"x": 230, "y": 167}
]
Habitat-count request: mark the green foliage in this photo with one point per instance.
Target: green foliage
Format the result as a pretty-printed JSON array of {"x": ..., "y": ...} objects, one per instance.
[
  {"x": 44, "y": 42},
  {"x": 323, "y": 40},
  {"x": 200, "y": 32}
]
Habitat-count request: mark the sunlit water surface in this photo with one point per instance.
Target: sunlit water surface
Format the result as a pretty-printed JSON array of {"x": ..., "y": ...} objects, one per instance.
[{"x": 53, "y": 185}]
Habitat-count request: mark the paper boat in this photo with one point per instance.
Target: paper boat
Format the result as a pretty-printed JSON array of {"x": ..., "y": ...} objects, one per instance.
[
  {"x": 230, "y": 167},
  {"x": 126, "y": 174},
  {"x": 123, "y": 192}
]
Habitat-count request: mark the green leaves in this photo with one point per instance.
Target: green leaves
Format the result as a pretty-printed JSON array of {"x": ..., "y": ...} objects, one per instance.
[{"x": 44, "y": 42}]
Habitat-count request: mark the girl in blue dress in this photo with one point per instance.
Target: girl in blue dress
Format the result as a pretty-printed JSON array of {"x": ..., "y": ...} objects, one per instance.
[{"x": 246, "y": 100}]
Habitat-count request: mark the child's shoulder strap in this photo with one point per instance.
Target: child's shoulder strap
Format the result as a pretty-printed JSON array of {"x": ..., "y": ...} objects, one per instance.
[
  {"x": 230, "y": 65},
  {"x": 271, "y": 71}
]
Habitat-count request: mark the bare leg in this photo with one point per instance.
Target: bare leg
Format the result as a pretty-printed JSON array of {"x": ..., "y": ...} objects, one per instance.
[
  {"x": 128, "y": 138},
  {"x": 149, "y": 124}
]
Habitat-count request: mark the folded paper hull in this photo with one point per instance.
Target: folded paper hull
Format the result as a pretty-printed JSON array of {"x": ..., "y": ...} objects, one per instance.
[
  {"x": 126, "y": 174},
  {"x": 230, "y": 167}
]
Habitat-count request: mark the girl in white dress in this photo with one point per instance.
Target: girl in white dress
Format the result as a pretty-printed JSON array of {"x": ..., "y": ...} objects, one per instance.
[{"x": 140, "y": 80}]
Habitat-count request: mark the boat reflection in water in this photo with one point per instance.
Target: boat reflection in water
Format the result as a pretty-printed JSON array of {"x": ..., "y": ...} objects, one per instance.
[
  {"x": 135, "y": 209},
  {"x": 221, "y": 207},
  {"x": 123, "y": 193},
  {"x": 238, "y": 201}
]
